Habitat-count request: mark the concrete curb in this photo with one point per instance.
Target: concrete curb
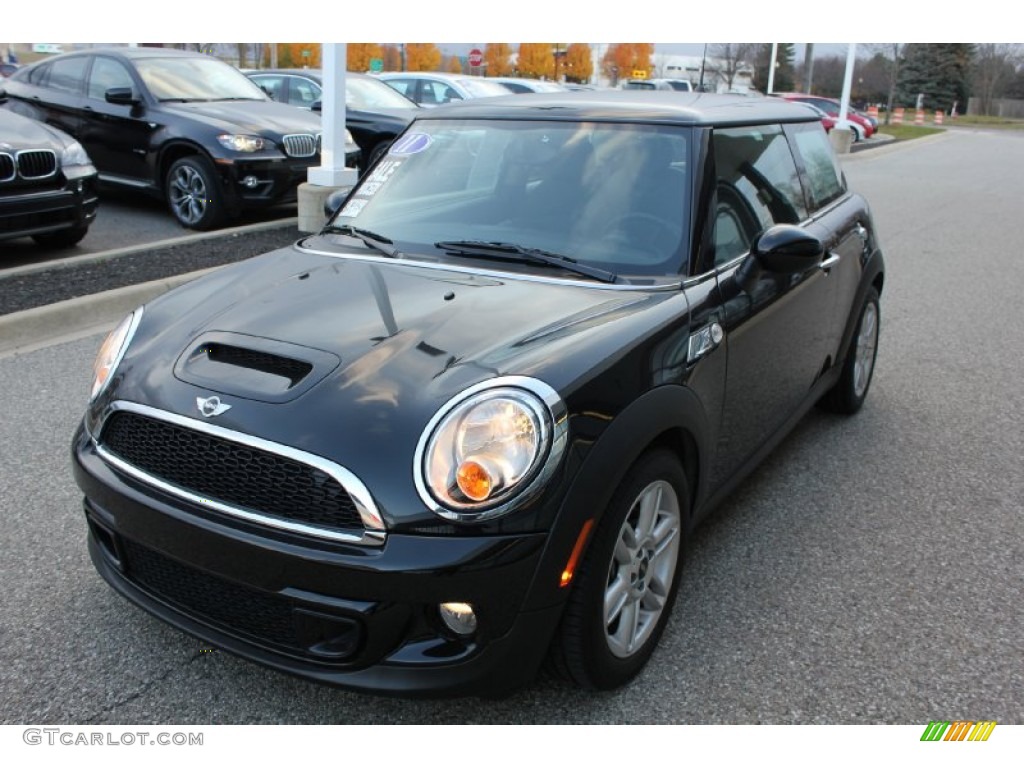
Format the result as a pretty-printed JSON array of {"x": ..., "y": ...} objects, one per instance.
[
  {"x": 32, "y": 329},
  {"x": 892, "y": 146}
]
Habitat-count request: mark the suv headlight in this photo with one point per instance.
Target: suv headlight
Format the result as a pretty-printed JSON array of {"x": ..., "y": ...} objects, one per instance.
[
  {"x": 488, "y": 449},
  {"x": 75, "y": 162},
  {"x": 241, "y": 143},
  {"x": 111, "y": 352}
]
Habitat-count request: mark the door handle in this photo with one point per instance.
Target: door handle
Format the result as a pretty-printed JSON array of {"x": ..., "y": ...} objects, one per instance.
[{"x": 831, "y": 261}]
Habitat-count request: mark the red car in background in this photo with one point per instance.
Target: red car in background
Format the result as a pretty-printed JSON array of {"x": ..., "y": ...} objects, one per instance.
[{"x": 861, "y": 126}]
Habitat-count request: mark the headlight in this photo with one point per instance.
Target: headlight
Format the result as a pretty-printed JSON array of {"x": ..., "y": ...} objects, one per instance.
[
  {"x": 485, "y": 450},
  {"x": 240, "y": 143},
  {"x": 75, "y": 162},
  {"x": 112, "y": 351}
]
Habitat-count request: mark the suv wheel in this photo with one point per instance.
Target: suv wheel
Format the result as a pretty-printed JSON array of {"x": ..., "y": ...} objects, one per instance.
[
  {"x": 628, "y": 580},
  {"x": 193, "y": 194}
]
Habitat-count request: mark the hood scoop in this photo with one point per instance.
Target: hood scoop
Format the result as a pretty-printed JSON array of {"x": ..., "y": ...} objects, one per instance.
[{"x": 252, "y": 366}]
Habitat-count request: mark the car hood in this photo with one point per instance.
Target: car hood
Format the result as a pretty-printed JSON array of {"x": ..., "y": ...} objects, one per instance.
[
  {"x": 386, "y": 344},
  {"x": 18, "y": 132},
  {"x": 394, "y": 320},
  {"x": 250, "y": 117}
]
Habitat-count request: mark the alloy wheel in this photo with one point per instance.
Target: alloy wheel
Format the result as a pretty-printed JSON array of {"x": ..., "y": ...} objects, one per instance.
[{"x": 642, "y": 569}]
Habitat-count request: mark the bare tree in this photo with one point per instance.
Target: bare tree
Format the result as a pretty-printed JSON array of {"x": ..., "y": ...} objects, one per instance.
[
  {"x": 894, "y": 53},
  {"x": 731, "y": 56},
  {"x": 995, "y": 66}
]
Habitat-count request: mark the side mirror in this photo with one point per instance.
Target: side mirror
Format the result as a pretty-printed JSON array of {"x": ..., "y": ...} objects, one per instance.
[
  {"x": 3, "y": 93},
  {"x": 334, "y": 201},
  {"x": 122, "y": 96},
  {"x": 788, "y": 249},
  {"x": 316, "y": 106}
]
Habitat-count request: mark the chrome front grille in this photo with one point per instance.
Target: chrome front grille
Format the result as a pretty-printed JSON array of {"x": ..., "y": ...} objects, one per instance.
[
  {"x": 300, "y": 145},
  {"x": 240, "y": 475},
  {"x": 6, "y": 166},
  {"x": 36, "y": 163}
]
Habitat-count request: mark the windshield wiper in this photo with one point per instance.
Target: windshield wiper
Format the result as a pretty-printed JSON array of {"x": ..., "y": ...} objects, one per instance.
[
  {"x": 370, "y": 239},
  {"x": 181, "y": 100},
  {"x": 514, "y": 252}
]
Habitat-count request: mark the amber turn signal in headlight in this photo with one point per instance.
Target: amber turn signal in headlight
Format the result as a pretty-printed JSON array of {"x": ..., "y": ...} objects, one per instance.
[
  {"x": 483, "y": 449},
  {"x": 111, "y": 352}
]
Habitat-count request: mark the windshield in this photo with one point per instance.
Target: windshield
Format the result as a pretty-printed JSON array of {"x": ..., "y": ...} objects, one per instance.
[
  {"x": 609, "y": 195},
  {"x": 201, "y": 78},
  {"x": 373, "y": 94}
]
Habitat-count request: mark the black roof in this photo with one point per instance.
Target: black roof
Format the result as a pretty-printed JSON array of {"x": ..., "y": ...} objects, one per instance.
[{"x": 678, "y": 107}]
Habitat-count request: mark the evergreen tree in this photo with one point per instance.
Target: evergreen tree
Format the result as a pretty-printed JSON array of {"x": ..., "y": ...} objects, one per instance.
[
  {"x": 939, "y": 71},
  {"x": 785, "y": 74}
]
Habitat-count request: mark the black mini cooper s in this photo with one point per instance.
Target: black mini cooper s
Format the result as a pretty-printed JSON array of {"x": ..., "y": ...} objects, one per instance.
[{"x": 470, "y": 425}]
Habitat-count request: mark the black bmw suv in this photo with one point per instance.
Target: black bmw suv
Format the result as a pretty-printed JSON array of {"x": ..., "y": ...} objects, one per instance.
[
  {"x": 47, "y": 183},
  {"x": 180, "y": 125}
]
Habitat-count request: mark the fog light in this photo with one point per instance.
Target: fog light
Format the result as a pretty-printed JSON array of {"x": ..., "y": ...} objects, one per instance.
[
  {"x": 459, "y": 618},
  {"x": 251, "y": 182}
]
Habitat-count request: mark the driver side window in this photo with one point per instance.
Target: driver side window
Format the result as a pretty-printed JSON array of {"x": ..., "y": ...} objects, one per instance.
[{"x": 757, "y": 186}]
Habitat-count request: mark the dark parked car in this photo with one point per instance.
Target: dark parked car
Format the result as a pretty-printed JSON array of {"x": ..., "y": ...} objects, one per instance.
[
  {"x": 47, "y": 183},
  {"x": 472, "y": 423},
  {"x": 183, "y": 126},
  {"x": 374, "y": 112}
]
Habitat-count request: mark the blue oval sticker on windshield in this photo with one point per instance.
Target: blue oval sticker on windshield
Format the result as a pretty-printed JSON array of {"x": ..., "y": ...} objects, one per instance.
[{"x": 411, "y": 144}]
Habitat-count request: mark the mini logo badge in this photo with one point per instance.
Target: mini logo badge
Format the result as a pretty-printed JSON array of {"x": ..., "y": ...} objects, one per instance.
[{"x": 211, "y": 406}]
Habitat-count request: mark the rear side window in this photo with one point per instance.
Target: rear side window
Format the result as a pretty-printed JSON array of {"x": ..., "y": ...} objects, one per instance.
[
  {"x": 757, "y": 186},
  {"x": 68, "y": 74},
  {"x": 821, "y": 168}
]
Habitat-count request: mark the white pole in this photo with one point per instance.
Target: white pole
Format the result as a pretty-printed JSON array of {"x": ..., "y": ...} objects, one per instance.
[
  {"x": 844, "y": 103},
  {"x": 771, "y": 68},
  {"x": 332, "y": 171}
]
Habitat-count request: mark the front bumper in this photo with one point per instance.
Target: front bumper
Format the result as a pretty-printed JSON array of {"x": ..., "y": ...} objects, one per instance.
[
  {"x": 34, "y": 211},
  {"x": 363, "y": 618},
  {"x": 259, "y": 182}
]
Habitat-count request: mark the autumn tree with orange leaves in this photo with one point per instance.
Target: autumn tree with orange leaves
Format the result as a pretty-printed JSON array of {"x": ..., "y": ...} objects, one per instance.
[
  {"x": 535, "y": 60},
  {"x": 422, "y": 57},
  {"x": 498, "y": 59},
  {"x": 577, "y": 65},
  {"x": 392, "y": 58},
  {"x": 622, "y": 59},
  {"x": 358, "y": 56},
  {"x": 290, "y": 55},
  {"x": 453, "y": 65}
]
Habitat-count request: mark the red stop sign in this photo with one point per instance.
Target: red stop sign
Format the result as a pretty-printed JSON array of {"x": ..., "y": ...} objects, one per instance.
[{"x": 476, "y": 57}]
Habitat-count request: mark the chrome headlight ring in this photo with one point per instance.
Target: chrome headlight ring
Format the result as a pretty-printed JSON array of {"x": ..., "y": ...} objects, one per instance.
[{"x": 452, "y": 441}]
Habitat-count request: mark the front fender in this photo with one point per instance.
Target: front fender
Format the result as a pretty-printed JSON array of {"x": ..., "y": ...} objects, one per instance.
[{"x": 670, "y": 416}]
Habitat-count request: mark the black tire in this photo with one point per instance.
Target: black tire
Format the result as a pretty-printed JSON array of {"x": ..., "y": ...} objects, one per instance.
[
  {"x": 588, "y": 649},
  {"x": 849, "y": 393},
  {"x": 64, "y": 238},
  {"x": 193, "y": 194}
]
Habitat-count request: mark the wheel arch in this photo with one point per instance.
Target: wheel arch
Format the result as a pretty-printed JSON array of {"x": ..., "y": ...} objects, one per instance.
[
  {"x": 670, "y": 417},
  {"x": 172, "y": 152}
]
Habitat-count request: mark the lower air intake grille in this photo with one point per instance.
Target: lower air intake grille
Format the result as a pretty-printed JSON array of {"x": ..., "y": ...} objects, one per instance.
[{"x": 212, "y": 599}]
